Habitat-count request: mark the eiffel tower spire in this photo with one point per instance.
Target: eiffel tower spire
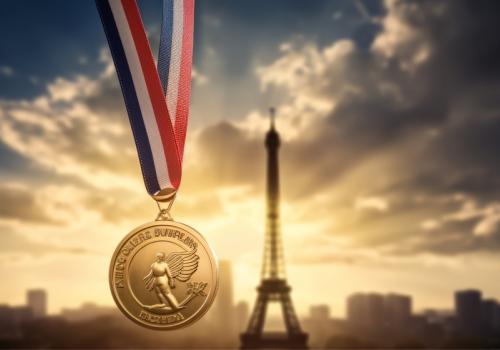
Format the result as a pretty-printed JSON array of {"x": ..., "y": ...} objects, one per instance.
[
  {"x": 273, "y": 286},
  {"x": 274, "y": 264}
]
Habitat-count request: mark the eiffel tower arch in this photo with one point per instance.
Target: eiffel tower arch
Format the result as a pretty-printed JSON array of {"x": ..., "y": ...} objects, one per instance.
[{"x": 273, "y": 286}]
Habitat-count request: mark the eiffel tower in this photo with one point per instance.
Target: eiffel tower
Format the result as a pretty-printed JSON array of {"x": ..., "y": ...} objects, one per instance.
[{"x": 273, "y": 286}]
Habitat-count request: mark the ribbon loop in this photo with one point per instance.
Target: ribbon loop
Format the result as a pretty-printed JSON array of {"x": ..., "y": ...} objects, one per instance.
[{"x": 157, "y": 100}]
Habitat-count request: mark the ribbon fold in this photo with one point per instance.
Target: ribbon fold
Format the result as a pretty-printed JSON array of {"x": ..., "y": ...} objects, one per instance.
[{"x": 157, "y": 99}]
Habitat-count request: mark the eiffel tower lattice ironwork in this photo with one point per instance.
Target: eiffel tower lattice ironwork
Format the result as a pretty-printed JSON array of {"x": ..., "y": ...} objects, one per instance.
[{"x": 273, "y": 286}]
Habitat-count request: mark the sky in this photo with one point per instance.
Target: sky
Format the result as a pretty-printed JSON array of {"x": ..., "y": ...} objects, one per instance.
[{"x": 390, "y": 122}]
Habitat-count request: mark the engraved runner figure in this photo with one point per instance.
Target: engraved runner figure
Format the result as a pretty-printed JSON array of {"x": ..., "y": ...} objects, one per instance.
[{"x": 164, "y": 271}]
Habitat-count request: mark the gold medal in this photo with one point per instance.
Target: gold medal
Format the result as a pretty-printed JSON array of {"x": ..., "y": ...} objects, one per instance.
[{"x": 163, "y": 275}]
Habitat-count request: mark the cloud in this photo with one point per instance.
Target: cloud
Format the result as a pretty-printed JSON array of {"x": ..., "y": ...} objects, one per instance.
[
  {"x": 20, "y": 203},
  {"x": 122, "y": 205},
  {"x": 375, "y": 203},
  {"x": 227, "y": 156},
  {"x": 413, "y": 119},
  {"x": 364, "y": 13},
  {"x": 65, "y": 132},
  {"x": 78, "y": 132},
  {"x": 198, "y": 78},
  {"x": 6, "y": 71},
  {"x": 15, "y": 243}
]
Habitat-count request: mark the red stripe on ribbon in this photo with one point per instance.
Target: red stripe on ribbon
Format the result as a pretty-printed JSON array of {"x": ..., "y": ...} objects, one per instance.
[
  {"x": 168, "y": 136},
  {"x": 184, "y": 91}
]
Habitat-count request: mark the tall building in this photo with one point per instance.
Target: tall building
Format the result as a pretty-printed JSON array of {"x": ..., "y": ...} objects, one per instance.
[
  {"x": 88, "y": 311},
  {"x": 319, "y": 325},
  {"x": 468, "y": 310},
  {"x": 436, "y": 316},
  {"x": 356, "y": 308},
  {"x": 37, "y": 302},
  {"x": 10, "y": 319},
  {"x": 397, "y": 309},
  {"x": 223, "y": 310},
  {"x": 490, "y": 315},
  {"x": 319, "y": 312},
  {"x": 366, "y": 310},
  {"x": 273, "y": 286},
  {"x": 242, "y": 313}
]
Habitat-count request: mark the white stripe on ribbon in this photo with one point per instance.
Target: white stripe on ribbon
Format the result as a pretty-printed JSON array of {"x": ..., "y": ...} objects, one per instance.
[
  {"x": 141, "y": 91},
  {"x": 175, "y": 59}
]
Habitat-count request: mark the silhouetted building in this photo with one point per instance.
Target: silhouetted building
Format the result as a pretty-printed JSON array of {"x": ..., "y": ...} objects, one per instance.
[
  {"x": 468, "y": 310},
  {"x": 222, "y": 312},
  {"x": 320, "y": 326},
  {"x": 490, "y": 316},
  {"x": 443, "y": 319},
  {"x": 366, "y": 310},
  {"x": 242, "y": 313},
  {"x": 397, "y": 309},
  {"x": 11, "y": 317},
  {"x": 357, "y": 309},
  {"x": 37, "y": 301},
  {"x": 420, "y": 331},
  {"x": 319, "y": 312},
  {"x": 15, "y": 314},
  {"x": 435, "y": 316},
  {"x": 93, "y": 326},
  {"x": 87, "y": 312}
]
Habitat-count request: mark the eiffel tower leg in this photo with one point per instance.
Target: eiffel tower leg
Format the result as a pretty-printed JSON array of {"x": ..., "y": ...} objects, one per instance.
[
  {"x": 256, "y": 324},
  {"x": 256, "y": 338},
  {"x": 291, "y": 321}
]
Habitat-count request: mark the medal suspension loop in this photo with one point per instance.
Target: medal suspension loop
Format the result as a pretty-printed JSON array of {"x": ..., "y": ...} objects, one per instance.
[{"x": 164, "y": 209}]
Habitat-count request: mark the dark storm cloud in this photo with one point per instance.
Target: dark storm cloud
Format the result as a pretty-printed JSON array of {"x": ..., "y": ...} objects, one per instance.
[
  {"x": 461, "y": 57},
  {"x": 427, "y": 91},
  {"x": 450, "y": 92},
  {"x": 453, "y": 238}
]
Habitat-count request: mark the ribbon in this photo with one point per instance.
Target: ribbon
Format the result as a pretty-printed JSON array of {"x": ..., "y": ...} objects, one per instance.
[{"x": 157, "y": 100}]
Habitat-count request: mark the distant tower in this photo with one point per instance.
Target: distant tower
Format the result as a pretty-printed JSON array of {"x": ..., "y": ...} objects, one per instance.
[
  {"x": 37, "y": 302},
  {"x": 273, "y": 286},
  {"x": 468, "y": 310},
  {"x": 223, "y": 309},
  {"x": 320, "y": 312},
  {"x": 242, "y": 315},
  {"x": 366, "y": 310},
  {"x": 397, "y": 309}
]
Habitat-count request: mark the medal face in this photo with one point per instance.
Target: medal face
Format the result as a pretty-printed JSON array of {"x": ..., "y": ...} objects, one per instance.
[{"x": 163, "y": 275}]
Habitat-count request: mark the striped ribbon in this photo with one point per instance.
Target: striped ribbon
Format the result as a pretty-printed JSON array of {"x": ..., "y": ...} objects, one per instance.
[{"x": 157, "y": 99}]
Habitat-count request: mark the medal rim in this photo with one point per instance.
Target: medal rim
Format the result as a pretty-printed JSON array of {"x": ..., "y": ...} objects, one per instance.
[{"x": 201, "y": 312}]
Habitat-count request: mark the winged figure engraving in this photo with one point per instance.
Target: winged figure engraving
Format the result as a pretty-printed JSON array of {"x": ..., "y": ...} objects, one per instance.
[{"x": 163, "y": 273}]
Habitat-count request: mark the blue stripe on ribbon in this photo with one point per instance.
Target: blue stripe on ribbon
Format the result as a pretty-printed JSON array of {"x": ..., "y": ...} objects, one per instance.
[
  {"x": 130, "y": 97},
  {"x": 166, "y": 43}
]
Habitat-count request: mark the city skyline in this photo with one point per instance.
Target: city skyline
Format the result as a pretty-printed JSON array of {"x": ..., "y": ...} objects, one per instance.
[
  {"x": 227, "y": 303},
  {"x": 371, "y": 318}
]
